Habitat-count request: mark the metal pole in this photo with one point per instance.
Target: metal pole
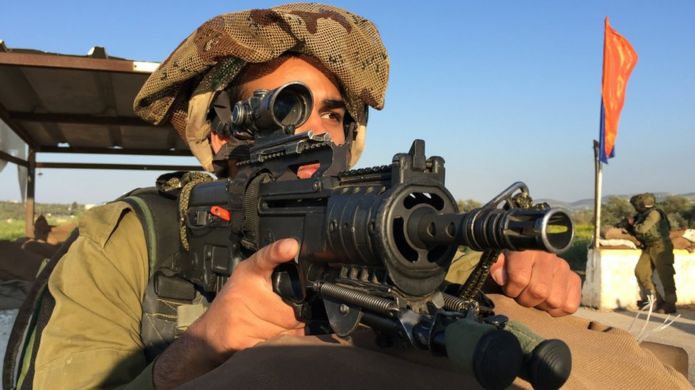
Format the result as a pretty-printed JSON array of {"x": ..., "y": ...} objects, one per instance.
[
  {"x": 30, "y": 187},
  {"x": 597, "y": 195}
]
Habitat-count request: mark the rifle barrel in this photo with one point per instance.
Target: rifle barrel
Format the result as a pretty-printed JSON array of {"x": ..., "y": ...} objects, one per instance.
[{"x": 491, "y": 228}]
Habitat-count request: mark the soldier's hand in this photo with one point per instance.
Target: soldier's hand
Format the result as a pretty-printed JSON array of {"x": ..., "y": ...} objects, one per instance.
[
  {"x": 247, "y": 311},
  {"x": 538, "y": 279}
]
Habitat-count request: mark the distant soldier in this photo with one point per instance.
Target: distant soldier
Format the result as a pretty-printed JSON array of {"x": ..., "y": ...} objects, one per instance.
[
  {"x": 651, "y": 227},
  {"x": 42, "y": 229}
]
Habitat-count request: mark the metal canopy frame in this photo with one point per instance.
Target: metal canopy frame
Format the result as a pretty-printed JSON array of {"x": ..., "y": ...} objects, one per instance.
[{"x": 59, "y": 103}]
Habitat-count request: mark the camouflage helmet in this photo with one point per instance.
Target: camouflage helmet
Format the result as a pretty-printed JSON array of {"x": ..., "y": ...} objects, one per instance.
[
  {"x": 181, "y": 90},
  {"x": 643, "y": 201}
]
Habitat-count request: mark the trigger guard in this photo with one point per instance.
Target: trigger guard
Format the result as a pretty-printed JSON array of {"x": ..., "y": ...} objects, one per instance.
[{"x": 287, "y": 284}]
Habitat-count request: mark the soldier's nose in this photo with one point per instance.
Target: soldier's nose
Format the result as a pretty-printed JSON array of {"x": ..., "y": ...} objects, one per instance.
[{"x": 313, "y": 124}]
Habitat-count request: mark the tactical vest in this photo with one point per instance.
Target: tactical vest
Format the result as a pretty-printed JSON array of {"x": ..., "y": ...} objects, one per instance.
[
  {"x": 657, "y": 233},
  {"x": 169, "y": 305}
]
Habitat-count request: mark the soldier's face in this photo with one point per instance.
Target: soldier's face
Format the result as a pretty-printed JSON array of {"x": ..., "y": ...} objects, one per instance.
[{"x": 328, "y": 112}]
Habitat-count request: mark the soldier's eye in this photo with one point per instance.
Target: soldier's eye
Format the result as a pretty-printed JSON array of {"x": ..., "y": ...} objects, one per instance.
[{"x": 333, "y": 116}]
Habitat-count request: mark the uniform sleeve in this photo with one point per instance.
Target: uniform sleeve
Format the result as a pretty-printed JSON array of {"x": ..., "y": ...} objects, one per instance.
[
  {"x": 92, "y": 339},
  {"x": 462, "y": 267},
  {"x": 652, "y": 219}
]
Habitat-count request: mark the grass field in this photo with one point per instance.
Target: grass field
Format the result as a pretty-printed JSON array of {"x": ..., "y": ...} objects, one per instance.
[
  {"x": 11, "y": 229},
  {"x": 12, "y": 216}
]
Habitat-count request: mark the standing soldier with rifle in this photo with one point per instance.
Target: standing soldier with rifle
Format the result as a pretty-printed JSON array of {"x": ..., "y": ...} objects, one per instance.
[
  {"x": 651, "y": 227},
  {"x": 146, "y": 296}
]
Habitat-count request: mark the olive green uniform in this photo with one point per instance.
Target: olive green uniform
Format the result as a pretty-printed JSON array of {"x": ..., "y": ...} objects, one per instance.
[
  {"x": 92, "y": 339},
  {"x": 652, "y": 230}
]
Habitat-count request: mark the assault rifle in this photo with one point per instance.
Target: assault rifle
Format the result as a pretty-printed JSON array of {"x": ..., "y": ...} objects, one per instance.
[
  {"x": 626, "y": 225},
  {"x": 375, "y": 243}
]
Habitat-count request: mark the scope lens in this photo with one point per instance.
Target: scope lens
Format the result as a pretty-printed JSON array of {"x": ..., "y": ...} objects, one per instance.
[
  {"x": 291, "y": 105},
  {"x": 237, "y": 115},
  {"x": 287, "y": 109}
]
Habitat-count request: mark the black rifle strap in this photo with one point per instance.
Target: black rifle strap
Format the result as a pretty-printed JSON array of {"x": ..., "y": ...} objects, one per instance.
[
  {"x": 159, "y": 220},
  {"x": 166, "y": 291}
]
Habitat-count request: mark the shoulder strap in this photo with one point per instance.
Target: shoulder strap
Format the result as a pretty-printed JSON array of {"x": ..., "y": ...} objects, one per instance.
[
  {"x": 159, "y": 219},
  {"x": 166, "y": 292},
  {"x": 664, "y": 217}
]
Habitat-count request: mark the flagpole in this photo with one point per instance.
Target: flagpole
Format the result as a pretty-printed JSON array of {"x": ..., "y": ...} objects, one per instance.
[{"x": 598, "y": 178}]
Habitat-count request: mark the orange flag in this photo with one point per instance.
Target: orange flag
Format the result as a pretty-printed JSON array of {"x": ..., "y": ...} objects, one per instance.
[{"x": 619, "y": 58}]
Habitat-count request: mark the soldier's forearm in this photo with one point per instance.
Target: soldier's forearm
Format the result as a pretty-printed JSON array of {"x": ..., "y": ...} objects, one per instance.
[
  {"x": 184, "y": 360},
  {"x": 649, "y": 222}
]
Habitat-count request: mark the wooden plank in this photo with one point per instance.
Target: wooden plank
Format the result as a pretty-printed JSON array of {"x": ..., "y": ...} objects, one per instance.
[
  {"x": 73, "y": 62},
  {"x": 80, "y": 119},
  {"x": 18, "y": 129},
  {"x": 137, "y": 152},
  {"x": 13, "y": 159},
  {"x": 137, "y": 167},
  {"x": 30, "y": 203}
]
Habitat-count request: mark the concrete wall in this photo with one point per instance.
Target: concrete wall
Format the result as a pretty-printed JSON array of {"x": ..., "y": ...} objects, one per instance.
[{"x": 610, "y": 278}]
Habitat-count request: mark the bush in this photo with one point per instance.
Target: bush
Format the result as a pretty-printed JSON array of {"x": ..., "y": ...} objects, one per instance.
[
  {"x": 614, "y": 210},
  {"x": 467, "y": 205},
  {"x": 577, "y": 253}
]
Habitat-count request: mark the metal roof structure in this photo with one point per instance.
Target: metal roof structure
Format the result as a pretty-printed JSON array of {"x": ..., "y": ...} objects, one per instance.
[{"x": 59, "y": 103}]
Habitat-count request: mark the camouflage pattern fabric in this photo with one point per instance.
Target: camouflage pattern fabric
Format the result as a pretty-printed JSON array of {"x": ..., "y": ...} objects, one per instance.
[{"x": 182, "y": 88}]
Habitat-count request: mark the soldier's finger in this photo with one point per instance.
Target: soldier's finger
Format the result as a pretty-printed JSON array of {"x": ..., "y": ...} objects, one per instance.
[
  {"x": 571, "y": 300},
  {"x": 270, "y": 307},
  {"x": 519, "y": 268},
  {"x": 551, "y": 311},
  {"x": 267, "y": 258},
  {"x": 541, "y": 281},
  {"x": 294, "y": 332},
  {"x": 498, "y": 272},
  {"x": 251, "y": 324},
  {"x": 574, "y": 293},
  {"x": 557, "y": 297}
]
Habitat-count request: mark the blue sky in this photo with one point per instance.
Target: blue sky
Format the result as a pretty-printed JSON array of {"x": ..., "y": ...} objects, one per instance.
[{"x": 503, "y": 90}]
